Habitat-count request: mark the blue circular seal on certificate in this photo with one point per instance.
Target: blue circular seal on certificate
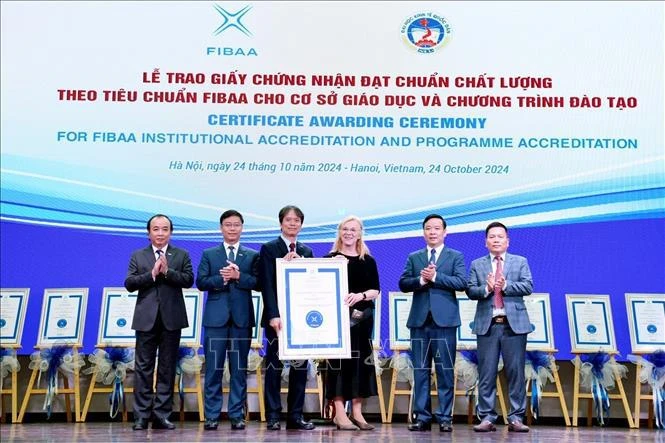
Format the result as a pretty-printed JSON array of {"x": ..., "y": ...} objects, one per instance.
[
  {"x": 314, "y": 319},
  {"x": 651, "y": 329},
  {"x": 591, "y": 329},
  {"x": 3, "y": 322},
  {"x": 121, "y": 322},
  {"x": 533, "y": 327},
  {"x": 62, "y": 323}
]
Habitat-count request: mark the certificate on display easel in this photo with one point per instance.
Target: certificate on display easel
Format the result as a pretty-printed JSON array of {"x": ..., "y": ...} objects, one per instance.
[
  {"x": 466, "y": 339},
  {"x": 13, "y": 303},
  {"x": 63, "y": 317},
  {"x": 591, "y": 324},
  {"x": 310, "y": 296},
  {"x": 257, "y": 334},
  {"x": 400, "y": 306},
  {"x": 540, "y": 316},
  {"x": 376, "y": 332},
  {"x": 646, "y": 318},
  {"x": 115, "y": 328},
  {"x": 191, "y": 335}
]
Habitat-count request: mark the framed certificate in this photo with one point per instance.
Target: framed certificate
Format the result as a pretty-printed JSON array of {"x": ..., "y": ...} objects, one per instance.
[
  {"x": 466, "y": 339},
  {"x": 540, "y": 316},
  {"x": 13, "y": 304},
  {"x": 376, "y": 332},
  {"x": 398, "y": 310},
  {"x": 590, "y": 322},
  {"x": 257, "y": 331},
  {"x": 310, "y": 296},
  {"x": 115, "y": 327},
  {"x": 191, "y": 335},
  {"x": 63, "y": 317},
  {"x": 646, "y": 318}
]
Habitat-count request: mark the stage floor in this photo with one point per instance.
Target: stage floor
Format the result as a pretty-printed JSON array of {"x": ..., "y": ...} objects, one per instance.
[{"x": 256, "y": 432}]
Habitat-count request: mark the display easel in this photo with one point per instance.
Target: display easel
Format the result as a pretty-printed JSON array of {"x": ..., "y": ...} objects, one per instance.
[
  {"x": 550, "y": 394},
  {"x": 196, "y": 389},
  {"x": 577, "y": 395},
  {"x": 13, "y": 391},
  {"x": 591, "y": 329},
  {"x": 65, "y": 390},
  {"x": 642, "y": 396},
  {"x": 94, "y": 389},
  {"x": 379, "y": 388},
  {"x": 471, "y": 406}
]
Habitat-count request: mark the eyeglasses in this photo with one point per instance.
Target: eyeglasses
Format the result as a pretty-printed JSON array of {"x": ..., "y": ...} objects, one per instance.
[
  {"x": 232, "y": 225},
  {"x": 354, "y": 230}
]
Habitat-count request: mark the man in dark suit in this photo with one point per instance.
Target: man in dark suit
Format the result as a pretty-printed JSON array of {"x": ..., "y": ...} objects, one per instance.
[
  {"x": 433, "y": 274},
  {"x": 285, "y": 246},
  {"x": 229, "y": 273},
  {"x": 499, "y": 281},
  {"x": 158, "y": 272}
]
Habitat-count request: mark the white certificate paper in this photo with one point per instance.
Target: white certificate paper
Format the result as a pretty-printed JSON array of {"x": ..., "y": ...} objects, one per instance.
[
  {"x": 315, "y": 320},
  {"x": 257, "y": 337},
  {"x": 400, "y": 306},
  {"x": 591, "y": 327},
  {"x": 13, "y": 303},
  {"x": 63, "y": 316},
  {"x": 191, "y": 334},
  {"x": 538, "y": 308},
  {"x": 117, "y": 314},
  {"x": 646, "y": 317},
  {"x": 466, "y": 339}
]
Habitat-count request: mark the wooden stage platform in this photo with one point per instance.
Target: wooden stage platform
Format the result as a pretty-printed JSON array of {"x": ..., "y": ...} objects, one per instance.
[{"x": 256, "y": 432}]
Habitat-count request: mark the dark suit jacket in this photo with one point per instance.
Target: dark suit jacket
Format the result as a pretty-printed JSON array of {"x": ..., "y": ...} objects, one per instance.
[
  {"x": 163, "y": 294},
  {"x": 439, "y": 296},
  {"x": 518, "y": 284},
  {"x": 233, "y": 300},
  {"x": 271, "y": 251}
]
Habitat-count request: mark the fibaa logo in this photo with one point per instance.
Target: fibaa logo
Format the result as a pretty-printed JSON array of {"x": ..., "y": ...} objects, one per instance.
[
  {"x": 231, "y": 20},
  {"x": 426, "y": 32}
]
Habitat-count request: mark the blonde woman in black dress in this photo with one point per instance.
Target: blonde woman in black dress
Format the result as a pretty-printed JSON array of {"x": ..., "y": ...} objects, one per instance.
[{"x": 354, "y": 379}]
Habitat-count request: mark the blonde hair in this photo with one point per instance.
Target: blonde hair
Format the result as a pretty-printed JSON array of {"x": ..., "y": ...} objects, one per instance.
[{"x": 361, "y": 247}]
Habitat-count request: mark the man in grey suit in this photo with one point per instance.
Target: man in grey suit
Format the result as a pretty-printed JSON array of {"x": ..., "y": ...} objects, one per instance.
[
  {"x": 433, "y": 274},
  {"x": 229, "y": 273},
  {"x": 158, "y": 272},
  {"x": 499, "y": 281}
]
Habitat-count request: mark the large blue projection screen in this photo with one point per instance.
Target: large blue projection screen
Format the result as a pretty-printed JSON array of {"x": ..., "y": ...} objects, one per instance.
[{"x": 517, "y": 112}]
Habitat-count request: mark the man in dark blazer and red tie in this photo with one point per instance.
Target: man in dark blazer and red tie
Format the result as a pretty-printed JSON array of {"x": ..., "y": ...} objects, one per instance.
[
  {"x": 159, "y": 273},
  {"x": 433, "y": 274},
  {"x": 500, "y": 281},
  {"x": 288, "y": 247},
  {"x": 229, "y": 273}
]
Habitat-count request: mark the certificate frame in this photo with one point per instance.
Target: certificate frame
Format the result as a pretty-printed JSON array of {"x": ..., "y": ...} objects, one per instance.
[
  {"x": 541, "y": 337},
  {"x": 591, "y": 323},
  {"x": 646, "y": 319},
  {"x": 466, "y": 339},
  {"x": 115, "y": 326},
  {"x": 376, "y": 331},
  {"x": 399, "y": 308},
  {"x": 63, "y": 317},
  {"x": 310, "y": 293},
  {"x": 13, "y": 305},
  {"x": 191, "y": 335},
  {"x": 257, "y": 330}
]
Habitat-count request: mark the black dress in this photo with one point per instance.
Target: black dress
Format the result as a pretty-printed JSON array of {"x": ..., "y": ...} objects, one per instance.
[{"x": 356, "y": 377}]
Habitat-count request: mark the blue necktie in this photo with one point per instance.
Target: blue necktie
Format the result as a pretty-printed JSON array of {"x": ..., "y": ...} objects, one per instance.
[
  {"x": 159, "y": 253},
  {"x": 432, "y": 258},
  {"x": 232, "y": 255}
]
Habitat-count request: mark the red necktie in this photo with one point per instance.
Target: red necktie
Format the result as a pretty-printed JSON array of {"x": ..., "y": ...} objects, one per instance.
[
  {"x": 498, "y": 297},
  {"x": 292, "y": 247}
]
